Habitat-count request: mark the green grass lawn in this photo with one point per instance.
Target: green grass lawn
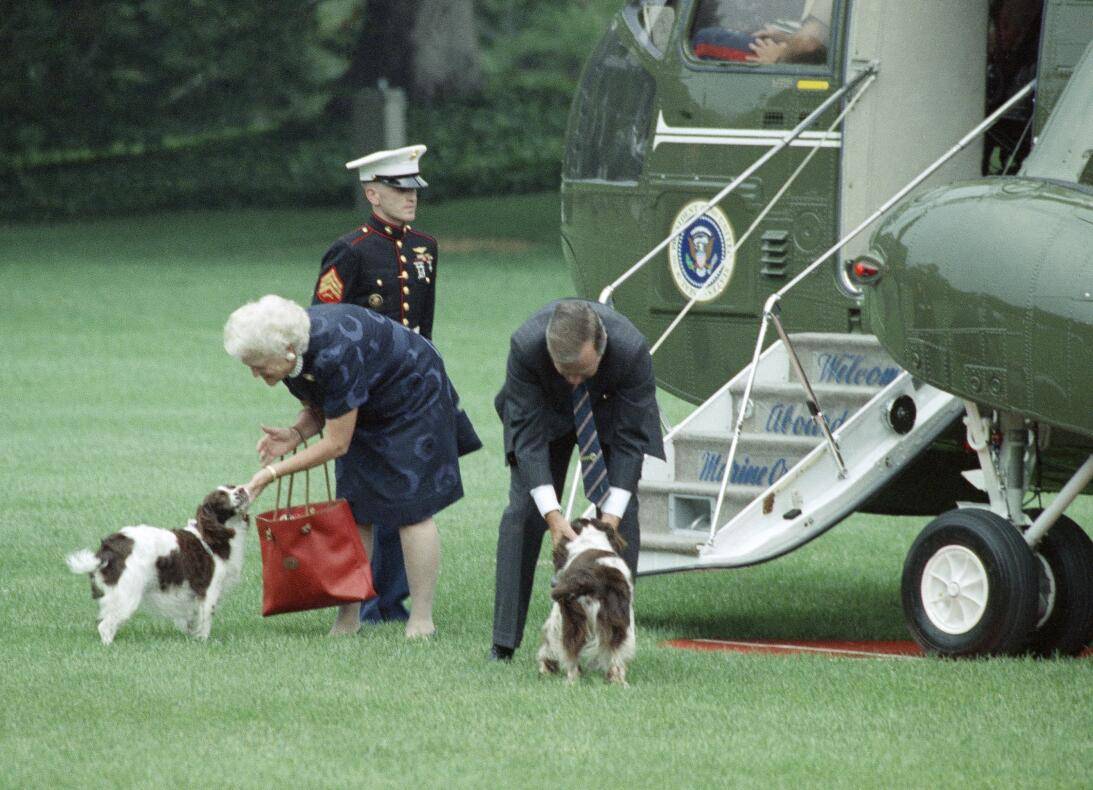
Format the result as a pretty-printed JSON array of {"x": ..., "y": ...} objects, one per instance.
[{"x": 120, "y": 407}]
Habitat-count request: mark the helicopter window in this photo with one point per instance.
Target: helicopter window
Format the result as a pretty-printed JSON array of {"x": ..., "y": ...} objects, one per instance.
[
  {"x": 762, "y": 32},
  {"x": 652, "y": 22},
  {"x": 609, "y": 127}
]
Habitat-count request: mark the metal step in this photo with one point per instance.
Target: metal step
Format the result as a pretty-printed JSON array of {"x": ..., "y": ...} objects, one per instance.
[
  {"x": 843, "y": 369},
  {"x": 782, "y": 409},
  {"x": 848, "y": 360},
  {"x": 760, "y": 458},
  {"x": 684, "y": 507},
  {"x": 785, "y": 488}
]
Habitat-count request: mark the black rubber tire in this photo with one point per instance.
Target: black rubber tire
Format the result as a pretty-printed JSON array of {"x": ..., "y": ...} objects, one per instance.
[
  {"x": 1012, "y": 581},
  {"x": 1068, "y": 552}
]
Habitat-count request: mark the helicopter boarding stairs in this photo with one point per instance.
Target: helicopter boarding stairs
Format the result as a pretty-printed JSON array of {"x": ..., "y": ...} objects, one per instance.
[
  {"x": 793, "y": 477},
  {"x": 786, "y": 487}
]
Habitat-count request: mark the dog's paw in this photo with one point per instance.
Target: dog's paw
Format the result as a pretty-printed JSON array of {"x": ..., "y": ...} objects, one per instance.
[
  {"x": 617, "y": 676},
  {"x": 548, "y": 666}
]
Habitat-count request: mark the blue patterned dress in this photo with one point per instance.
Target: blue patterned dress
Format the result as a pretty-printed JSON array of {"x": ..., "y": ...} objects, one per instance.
[{"x": 403, "y": 462}]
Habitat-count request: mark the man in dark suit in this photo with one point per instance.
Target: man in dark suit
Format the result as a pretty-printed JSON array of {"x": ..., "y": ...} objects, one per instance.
[{"x": 564, "y": 346}]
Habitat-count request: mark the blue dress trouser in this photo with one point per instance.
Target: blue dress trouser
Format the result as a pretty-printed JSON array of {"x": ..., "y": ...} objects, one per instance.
[{"x": 388, "y": 577}]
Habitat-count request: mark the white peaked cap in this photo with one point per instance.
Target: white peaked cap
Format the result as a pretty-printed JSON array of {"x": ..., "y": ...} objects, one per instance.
[{"x": 399, "y": 167}]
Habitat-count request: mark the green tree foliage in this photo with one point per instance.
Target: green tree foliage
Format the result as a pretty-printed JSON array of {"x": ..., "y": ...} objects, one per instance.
[
  {"x": 509, "y": 138},
  {"x": 94, "y": 73},
  {"x": 185, "y": 103}
]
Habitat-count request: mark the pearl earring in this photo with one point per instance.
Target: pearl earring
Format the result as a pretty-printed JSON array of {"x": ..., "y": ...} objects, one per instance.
[{"x": 291, "y": 357}]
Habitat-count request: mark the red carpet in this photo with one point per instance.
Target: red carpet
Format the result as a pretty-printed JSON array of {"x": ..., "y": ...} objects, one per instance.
[{"x": 784, "y": 647}]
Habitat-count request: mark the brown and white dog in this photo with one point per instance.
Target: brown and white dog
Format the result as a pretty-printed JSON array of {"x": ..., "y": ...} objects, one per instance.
[
  {"x": 592, "y": 619},
  {"x": 179, "y": 574}
]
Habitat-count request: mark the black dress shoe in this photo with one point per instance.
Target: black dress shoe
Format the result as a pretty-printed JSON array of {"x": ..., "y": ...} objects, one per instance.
[{"x": 501, "y": 653}]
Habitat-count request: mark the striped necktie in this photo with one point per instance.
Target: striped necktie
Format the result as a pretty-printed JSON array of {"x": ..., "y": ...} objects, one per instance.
[{"x": 593, "y": 468}]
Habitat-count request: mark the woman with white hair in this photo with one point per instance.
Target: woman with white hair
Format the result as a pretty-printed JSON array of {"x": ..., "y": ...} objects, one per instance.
[{"x": 390, "y": 417}]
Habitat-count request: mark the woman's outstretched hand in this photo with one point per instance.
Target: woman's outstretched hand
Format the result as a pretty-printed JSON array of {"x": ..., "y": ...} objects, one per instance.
[
  {"x": 258, "y": 483},
  {"x": 276, "y": 442}
]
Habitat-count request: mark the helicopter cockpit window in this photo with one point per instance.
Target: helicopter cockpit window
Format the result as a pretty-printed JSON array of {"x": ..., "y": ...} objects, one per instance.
[
  {"x": 763, "y": 32},
  {"x": 652, "y": 22}
]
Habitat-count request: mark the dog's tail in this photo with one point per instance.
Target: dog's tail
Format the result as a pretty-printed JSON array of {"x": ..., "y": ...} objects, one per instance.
[{"x": 83, "y": 561}]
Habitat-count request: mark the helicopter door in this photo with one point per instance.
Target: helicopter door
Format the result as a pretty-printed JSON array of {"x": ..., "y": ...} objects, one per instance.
[{"x": 742, "y": 74}]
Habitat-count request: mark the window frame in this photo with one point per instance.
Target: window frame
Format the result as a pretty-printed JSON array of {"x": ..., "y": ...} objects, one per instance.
[
  {"x": 637, "y": 30},
  {"x": 829, "y": 69}
]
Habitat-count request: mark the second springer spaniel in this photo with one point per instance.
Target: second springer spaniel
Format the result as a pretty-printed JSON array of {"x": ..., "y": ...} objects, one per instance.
[{"x": 592, "y": 619}]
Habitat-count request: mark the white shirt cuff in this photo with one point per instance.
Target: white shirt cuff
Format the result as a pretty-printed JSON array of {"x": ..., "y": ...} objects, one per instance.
[
  {"x": 545, "y": 499},
  {"x": 616, "y": 502}
]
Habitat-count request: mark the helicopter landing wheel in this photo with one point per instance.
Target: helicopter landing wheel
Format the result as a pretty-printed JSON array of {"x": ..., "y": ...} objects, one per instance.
[
  {"x": 970, "y": 586},
  {"x": 1064, "y": 622}
]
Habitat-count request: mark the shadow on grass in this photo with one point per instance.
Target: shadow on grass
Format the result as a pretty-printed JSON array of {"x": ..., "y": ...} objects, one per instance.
[{"x": 849, "y": 611}]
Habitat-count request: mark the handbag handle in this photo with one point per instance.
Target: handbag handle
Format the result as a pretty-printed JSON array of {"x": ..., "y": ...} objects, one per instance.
[{"x": 307, "y": 485}]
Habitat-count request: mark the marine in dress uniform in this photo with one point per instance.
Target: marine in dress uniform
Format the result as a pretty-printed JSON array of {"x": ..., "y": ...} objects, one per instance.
[
  {"x": 385, "y": 265},
  {"x": 389, "y": 267}
]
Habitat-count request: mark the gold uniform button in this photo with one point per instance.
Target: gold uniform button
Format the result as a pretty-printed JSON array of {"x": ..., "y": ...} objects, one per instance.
[
  {"x": 398, "y": 244},
  {"x": 406, "y": 322},
  {"x": 387, "y": 228},
  {"x": 426, "y": 280},
  {"x": 404, "y": 275},
  {"x": 405, "y": 306},
  {"x": 406, "y": 290},
  {"x": 379, "y": 282},
  {"x": 402, "y": 258}
]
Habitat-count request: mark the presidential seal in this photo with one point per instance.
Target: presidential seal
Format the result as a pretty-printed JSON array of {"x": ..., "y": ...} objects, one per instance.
[{"x": 701, "y": 257}]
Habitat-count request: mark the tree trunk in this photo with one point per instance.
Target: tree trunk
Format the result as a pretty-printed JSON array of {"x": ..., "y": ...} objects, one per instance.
[{"x": 423, "y": 46}]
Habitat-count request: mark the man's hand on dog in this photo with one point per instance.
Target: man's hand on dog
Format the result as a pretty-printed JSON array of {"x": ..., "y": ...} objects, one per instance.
[{"x": 559, "y": 527}]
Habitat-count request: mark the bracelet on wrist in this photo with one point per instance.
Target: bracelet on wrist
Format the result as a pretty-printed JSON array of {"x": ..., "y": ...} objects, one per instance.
[
  {"x": 272, "y": 473},
  {"x": 298, "y": 433}
]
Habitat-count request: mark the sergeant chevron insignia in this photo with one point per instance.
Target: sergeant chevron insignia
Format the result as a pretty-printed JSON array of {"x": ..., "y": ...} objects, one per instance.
[{"x": 330, "y": 287}]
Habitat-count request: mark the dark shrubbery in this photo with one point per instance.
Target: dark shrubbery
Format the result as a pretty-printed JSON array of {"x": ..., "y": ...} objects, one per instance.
[{"x": 506, "y": 138}]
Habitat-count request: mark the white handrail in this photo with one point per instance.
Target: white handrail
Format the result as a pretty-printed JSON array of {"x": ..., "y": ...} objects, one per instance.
[
  {"x": 869, "y": 72},
  {"x": 772, "y": 302},
  {"x": 792, "y": 135},
  {"x": 914, "y": 182},
  {"x": 766, "y": 209}
]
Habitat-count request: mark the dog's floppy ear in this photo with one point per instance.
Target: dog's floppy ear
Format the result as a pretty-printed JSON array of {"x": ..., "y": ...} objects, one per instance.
[
  {"x": 211, "y": 516},
  {"x": 560, "y": 553},
  {"x": 618, "y": 543}
]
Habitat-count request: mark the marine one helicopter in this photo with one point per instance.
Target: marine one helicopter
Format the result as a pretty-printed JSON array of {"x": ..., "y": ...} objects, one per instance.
[{"x": 818, "y": 167}]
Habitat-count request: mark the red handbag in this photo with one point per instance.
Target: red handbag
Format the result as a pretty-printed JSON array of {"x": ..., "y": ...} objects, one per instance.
[{"x": 312, "y": 555}]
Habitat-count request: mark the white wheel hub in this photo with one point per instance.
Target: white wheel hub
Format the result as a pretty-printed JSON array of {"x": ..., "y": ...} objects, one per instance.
[{"x": 954, "y": 589}]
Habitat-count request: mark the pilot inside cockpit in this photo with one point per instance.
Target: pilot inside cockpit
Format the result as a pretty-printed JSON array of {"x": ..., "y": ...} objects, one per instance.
[{"x": 721, "y": 36}]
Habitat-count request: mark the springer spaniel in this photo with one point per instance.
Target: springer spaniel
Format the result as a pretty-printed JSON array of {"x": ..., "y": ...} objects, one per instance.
[
  {"x": 179, "y": 573},
  {"x": 592, "y": 618}
]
